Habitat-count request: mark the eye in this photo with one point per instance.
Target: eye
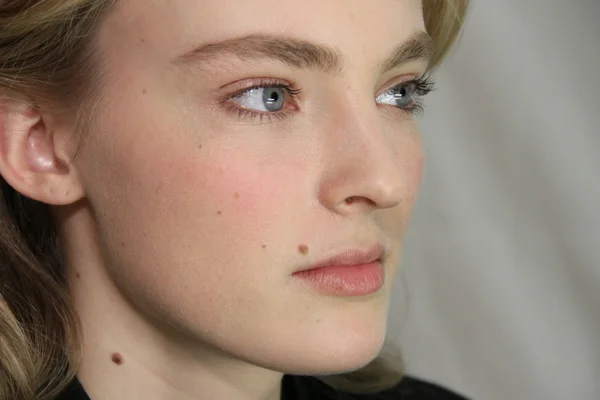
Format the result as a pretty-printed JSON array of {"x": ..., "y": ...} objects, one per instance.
[
  {"x": 263, "y": 99},
  {"x": 399, "y": 96},
  {"x": 407, "y": 95}
]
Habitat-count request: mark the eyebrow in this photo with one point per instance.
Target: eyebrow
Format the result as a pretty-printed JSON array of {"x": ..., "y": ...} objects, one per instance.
[{"x": 300, "y": 53}]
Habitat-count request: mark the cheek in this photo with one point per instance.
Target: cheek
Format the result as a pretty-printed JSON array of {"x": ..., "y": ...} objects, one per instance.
[
  {"x": 413, "y": 165},
  {"x": 186, "y": 205},
  {"x": 221, "y": 196},
  {"x": 186, "y": 222},
  {"x": 409, "y": 153},
  {"x": 232, "y": 190}
]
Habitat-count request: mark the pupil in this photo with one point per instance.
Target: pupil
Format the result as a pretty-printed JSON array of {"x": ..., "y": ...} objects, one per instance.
[
  {"x": 274, "y": 99},
  {"x": 402, "y": 96}
]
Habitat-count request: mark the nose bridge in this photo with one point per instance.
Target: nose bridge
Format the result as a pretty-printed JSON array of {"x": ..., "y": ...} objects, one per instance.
[
  {"x": 359, "y": 158},
  {"x": 358, "y": 124}
]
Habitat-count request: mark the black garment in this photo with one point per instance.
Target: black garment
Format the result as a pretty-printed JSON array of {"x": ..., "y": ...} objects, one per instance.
[{"x": 309, "y": 388}]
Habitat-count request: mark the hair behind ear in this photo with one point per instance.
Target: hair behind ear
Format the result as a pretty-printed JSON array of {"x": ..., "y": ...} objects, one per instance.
[
  {"x": 45, "y": 54},
  {"x": 37, "y": 332}
]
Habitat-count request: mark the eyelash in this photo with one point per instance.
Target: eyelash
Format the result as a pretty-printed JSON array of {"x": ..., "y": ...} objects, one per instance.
[
  {"x": 292, "y": 90},
  {"x": 422, "y": 86}
]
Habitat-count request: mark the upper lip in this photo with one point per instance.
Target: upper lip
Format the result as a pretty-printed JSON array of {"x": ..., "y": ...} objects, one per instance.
[{"x": 351, "y": 256}]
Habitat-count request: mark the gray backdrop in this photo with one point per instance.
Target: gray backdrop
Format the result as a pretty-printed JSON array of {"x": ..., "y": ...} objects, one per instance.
[{"x": 500, "y": 290}]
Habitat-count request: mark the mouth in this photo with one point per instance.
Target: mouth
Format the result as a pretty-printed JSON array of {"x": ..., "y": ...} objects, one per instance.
[
  {"x": 351, "y": 257},
  {"x": 350, "y": 272}
]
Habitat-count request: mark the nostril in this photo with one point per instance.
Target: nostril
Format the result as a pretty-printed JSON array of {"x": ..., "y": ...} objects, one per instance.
[
  {"x": 350, "y": 200},
  {"x": 353, "y": 199}
]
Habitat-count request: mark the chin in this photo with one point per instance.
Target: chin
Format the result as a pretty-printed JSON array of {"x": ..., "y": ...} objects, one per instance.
[
  {"x": 328, "y": 350},
  {"x": 338, "y": 361}
]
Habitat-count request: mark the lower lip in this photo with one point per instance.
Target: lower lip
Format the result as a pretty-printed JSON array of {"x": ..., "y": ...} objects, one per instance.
[{"x": 346, "y": 280}]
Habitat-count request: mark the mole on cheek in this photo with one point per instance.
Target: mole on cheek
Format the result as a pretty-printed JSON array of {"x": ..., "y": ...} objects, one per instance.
[
  {"x": 117, "y": 359},
  {"x": 303, "y": 249},
  {"x": 237, "y": 195}
]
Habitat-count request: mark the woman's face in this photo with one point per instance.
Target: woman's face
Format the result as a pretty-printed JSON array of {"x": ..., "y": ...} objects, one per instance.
[{"x": 237, "y": 142}]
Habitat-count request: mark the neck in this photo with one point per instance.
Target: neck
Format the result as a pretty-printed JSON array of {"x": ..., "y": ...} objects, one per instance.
[{"x": 127, "y": 354}]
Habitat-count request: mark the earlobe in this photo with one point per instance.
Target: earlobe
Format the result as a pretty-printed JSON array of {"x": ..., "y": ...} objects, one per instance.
[{"x": 29, "y": 160}]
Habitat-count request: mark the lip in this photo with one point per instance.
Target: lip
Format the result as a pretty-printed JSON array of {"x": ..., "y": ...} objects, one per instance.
[
  {"x": 349, "y": 257},
  {"x": 345, "y": 280}
]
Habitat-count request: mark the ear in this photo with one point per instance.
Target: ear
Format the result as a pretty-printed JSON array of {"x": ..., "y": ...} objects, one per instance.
[{"x": 32, "y": 159}]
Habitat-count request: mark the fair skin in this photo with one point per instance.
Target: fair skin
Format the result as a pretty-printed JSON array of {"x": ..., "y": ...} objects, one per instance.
[{"x": 183, "y": 221}]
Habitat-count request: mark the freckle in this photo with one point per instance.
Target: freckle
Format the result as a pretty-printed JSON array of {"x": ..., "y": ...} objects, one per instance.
[
  {"x": 117, "y": 359},
  {"x": 303, "y": 249},
  {"x": 220, "y": 212},
  {"x": 144, "y": 91},
  {"x": 237, "y": 195},
  {"x": 77, "y": 275},
  {"x": 199, "y": 146},
  {"x": 122, "y": 244},
  {"x": 264, "y": 246},
  {"x": 142, "y": 40}
]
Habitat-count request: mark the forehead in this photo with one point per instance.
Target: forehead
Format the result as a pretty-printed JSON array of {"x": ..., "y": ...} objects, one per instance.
[{"x": 170, "y": 27}]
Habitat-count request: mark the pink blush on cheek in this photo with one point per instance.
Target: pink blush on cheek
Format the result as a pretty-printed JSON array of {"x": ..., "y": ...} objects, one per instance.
[{"x": 239, "y": 189}]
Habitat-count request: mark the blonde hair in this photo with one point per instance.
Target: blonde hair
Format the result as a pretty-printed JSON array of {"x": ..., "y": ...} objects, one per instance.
[{"x": 46, "y": 57}]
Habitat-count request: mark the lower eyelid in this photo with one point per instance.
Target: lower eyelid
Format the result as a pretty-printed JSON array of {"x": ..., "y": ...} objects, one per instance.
[{"x": 250, "y": 114}]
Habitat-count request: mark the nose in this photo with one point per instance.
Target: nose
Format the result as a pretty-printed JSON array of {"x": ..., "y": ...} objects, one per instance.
[{"x": 362, "y": 170}]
